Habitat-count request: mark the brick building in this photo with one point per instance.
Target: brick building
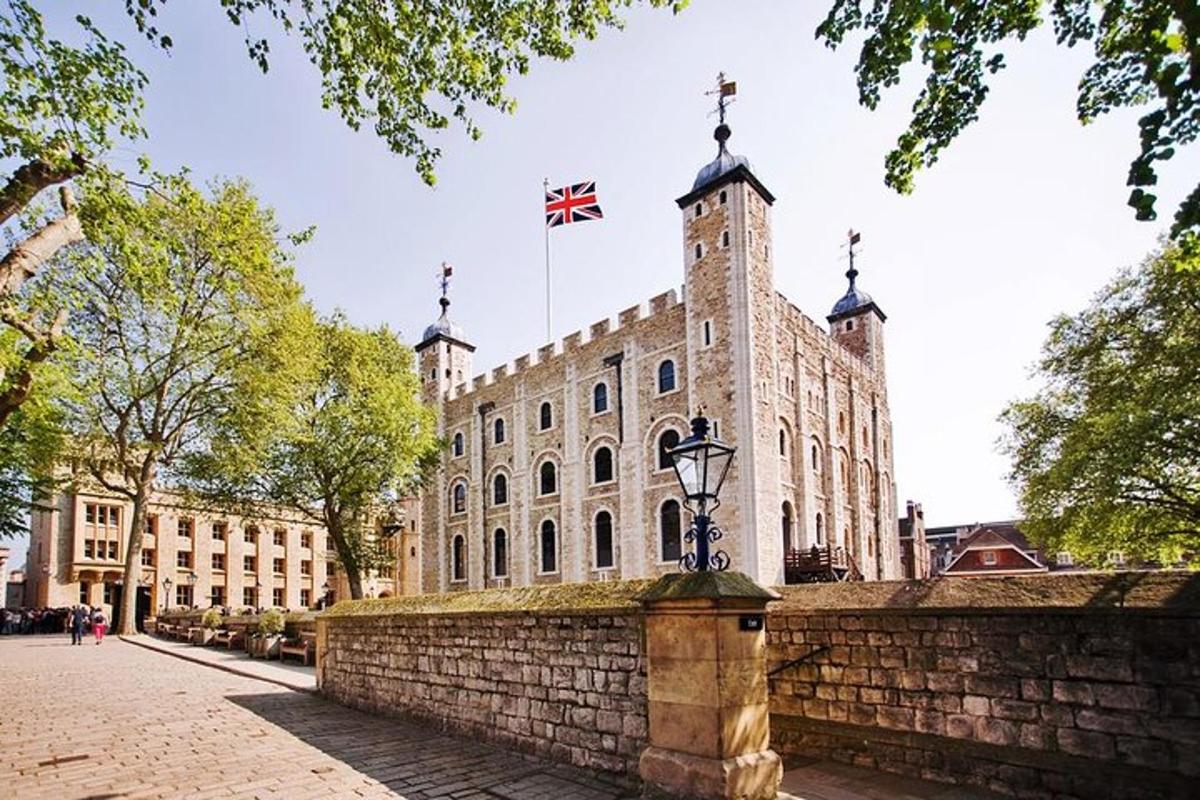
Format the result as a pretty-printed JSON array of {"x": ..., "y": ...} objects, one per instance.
[{"x": 556, "y": 468}]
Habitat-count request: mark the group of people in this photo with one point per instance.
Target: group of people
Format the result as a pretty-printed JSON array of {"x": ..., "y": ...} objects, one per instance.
[{"x": 78, "y": 620}]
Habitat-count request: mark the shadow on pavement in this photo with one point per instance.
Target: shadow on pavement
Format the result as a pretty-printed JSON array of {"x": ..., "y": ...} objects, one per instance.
[{"x": 418, "y": 762}]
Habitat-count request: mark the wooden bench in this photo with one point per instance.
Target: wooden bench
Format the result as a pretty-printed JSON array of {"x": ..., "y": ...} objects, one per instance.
[
  {"x": 229, "y": 637},
  {"x": 305, "y": 647},
  {"x": 165, "y": 630}
]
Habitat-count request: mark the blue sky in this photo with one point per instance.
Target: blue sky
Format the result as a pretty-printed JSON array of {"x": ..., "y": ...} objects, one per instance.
[{"x": 1022, "y": 219}]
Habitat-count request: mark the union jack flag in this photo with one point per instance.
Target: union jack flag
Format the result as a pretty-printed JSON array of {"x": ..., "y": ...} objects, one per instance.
[{"x": 574, "y": 203}]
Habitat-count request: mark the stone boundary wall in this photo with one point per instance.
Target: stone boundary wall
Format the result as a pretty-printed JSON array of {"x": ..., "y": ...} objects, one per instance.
[
  {"x": 1098, "y": 698},
  {"x": 565, "y": 684}
]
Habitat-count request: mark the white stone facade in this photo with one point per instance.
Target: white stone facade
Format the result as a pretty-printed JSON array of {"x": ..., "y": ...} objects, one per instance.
[{"x": 778, "y": 387}]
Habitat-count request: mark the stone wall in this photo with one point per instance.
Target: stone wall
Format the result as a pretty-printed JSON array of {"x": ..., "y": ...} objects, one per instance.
[
  {"x": 563, "y": 679},
  {"x": 1077, "y": 686}
]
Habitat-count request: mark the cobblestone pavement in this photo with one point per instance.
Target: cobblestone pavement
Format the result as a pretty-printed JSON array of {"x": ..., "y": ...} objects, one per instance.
[{"x": 117, "y": 721}]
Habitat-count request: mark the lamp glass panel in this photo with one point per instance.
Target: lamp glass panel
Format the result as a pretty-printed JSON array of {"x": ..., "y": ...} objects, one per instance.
[
  {"x": 687, "y": 469},
  {"x": 718, "y": 460}
]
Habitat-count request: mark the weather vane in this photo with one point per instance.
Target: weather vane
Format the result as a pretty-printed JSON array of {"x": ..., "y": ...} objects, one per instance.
[
  {"x": 444, "y": 279},
  {"x": 725, "y": 90}
]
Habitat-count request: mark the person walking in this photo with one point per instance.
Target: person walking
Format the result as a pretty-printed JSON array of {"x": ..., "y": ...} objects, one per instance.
[
  {"x": 99, "y": 624},
  {"x": 78, "y": 615}
]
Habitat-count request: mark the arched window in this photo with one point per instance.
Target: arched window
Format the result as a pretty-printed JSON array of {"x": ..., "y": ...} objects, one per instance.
[
  {"x": 499, "y": 553},
  {"x": 460, "y": 444},
  {"x": 866, "y": 437},
  {"x": 787, "y": 526},
  {"x": 724, "y": 238},
  {"x": 547, "y": 478},
  {"x": 500, "y": 489},
  {"x": 841, "y": 422},
  {"x": 600, "y": 398},
  {"x": 666, "y": 376},
  {"x": 602, "y": 465},
  {"x": 458, "y": 502},
  {"x": 667, "y": 441},
  {"x": 498, "y": 432},
  {"x": 458, "y": 559},
  {"x": 820, "y": 528},
  {"x": 549, "y": 547},
  {"x": 816, "y": 459},
  {"x": 670, "y": 531},
  {"x": 604, "y": 540},
  {"x": 723, "y": 197},
  {"x": 783, "y": 448},
  {"x": 546, "y": 416}
]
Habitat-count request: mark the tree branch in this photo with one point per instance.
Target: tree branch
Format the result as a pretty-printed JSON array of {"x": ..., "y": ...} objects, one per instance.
[
  {"x": 24, "y": 260},
  {"x": 33, "y": 177}
]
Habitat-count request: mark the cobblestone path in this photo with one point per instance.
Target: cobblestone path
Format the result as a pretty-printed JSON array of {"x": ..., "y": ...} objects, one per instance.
[{"x": 116, "y": 721}]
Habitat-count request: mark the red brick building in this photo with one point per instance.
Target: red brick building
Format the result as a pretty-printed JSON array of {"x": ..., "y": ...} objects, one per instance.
[{"x": 998, "y": 549}]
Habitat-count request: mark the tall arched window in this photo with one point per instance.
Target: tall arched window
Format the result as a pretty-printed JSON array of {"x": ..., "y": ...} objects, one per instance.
[
  {"x": 783, "y": 446},
  {"x": 458, "y": 500},
  {"x": 547, "y": 478},
  {"x": 787, "y": 526},
  {"x": 604, "y": 540},
  {"x": 816, "y": 458},
  {"x": 600, "y": 398},
  {"x": 549, "y": 547},
  {"x": 499, "y": 553},
  {"x": 460, "y": 444},
  {"x": 666, "y": 376},
  {"x": 498, "y": 432},
  {"x": 546, "y": 416},
  {"x": 668, "y": 440},
  {"x": 500, "y": 489},
  {"x": 670, "y": 531},
  {"x": 820, "y": 529},
  {"x": 458, "y": 559},
  {"x": 602, "y": 465}
]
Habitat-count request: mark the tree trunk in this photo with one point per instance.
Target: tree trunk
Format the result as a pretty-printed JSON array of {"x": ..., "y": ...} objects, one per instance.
[
  {"x": 31, "y": 178},
  {"x": 346, "y": 556},
  {"x": 24, "y": 260},
  {"x": 133, "y": 550}
]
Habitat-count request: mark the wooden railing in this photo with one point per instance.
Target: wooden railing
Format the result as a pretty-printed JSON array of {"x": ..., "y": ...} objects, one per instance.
[{"x": 820, "y": 565}]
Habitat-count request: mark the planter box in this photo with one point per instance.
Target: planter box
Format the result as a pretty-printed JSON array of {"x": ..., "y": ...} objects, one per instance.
[
  {"x": 265, "y": 646},
  {"x": 203, "y": 636}
]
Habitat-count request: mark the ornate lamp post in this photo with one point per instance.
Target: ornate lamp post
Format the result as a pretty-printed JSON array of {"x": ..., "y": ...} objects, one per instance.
[
  {"x": 191, "y": 579},
  {"x": 701, "y": 463},
  {"x": 166, "y": 583},
  {"x": 326, "y": 589}
]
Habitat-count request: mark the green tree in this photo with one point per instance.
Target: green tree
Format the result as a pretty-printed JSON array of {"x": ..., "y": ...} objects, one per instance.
[
  {"x": 1147, "y": 53},
  {"x": 408, "y": 67},
  {"x": 60, "y": 109},
  {"x": 1107, "y": 455},
  {"x": 359, "y": 439},
  {"x": 188, "y": 317}
]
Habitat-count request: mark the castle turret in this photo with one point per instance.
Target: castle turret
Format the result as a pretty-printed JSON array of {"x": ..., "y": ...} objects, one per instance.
[
  {"x": 856, "y": 322},
  {"x": 444, "y": 355}
]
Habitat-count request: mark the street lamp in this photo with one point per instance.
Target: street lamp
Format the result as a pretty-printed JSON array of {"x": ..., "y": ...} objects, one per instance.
[
  {"x": 166, "y": 592},
  {"x": 257, "y": 595},
  {"x": 326, "y": 589},
  {"x": 701, "y": 463}
]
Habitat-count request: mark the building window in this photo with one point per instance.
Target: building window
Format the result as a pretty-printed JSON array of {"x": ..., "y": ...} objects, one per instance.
[
  {"x": 820, "y": 528},
  {"x": 89, "y": 548},
  {"x": 602, "y": 465},
  {"x": 670, "y": 531},
  {"x": 546, "y": 417},
  {"x": 667, "y": 442},
  {"x": 279, "y": 537},
  {"x": 458, "y": 498},
  {"x": 458, "y": 559},
  {"x": 989, "y": 557},
  {"x": 499, "y": 553},
  {"x": 218, "y": 531},
  {"x": 498, "y": 432},
  {"x": 248, "y": 598},
  {"x": 604, "y": 540},
  {"x": 183, "y": 558},
  {"x": 699, "y": 251},
  {"x": 724, "y": 238},
  {"x": 147, "y": 557},
  {"x": 723, "y": 197},
  {"x": 151, "y": 524},
  {"x": 250, "y": 535},
  {"x": 699, "y": 209},
  {"x": 305, "y": 598},
  {"x": 108, "y": 594},
  {"x": 666, "y": 377},
  {"x": 1063, "y": 559},
  {"x": 549, "y": 547},
  {"x": 217, "y": 596},
  {"x": 459, "y": 444},
  {"x": 600, "y": 398},
  {"x": 783, "y": 448},
  {"x": 84, "y": 590},
  {"x": 500, "y": 489},
  {"x": 786, "y": 516},
  {"x": 842, "y": 422},
  {"x": 708, "y": 333},
  {"x": 278, "y": 566},
  {"x": 183, "y": 596},
  {"x": 277, "y": 597},
  {"x": 816, "y": 459},
  {"x": 306, "y": 541},
  {"x": 184, "y": 528},
  {"x": 218, "y": 562},
  {"x": 547, "y": 478},
  {"x": 306, "y": 567},
  {"x": 249, "y": 563},
  {"x": 849, "y": 324}
]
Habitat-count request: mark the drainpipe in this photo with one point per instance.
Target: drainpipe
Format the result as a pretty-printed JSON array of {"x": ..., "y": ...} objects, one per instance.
[{"x": 484, "y": 410}]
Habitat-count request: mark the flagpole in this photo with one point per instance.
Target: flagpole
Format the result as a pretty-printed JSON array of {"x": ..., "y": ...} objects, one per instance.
[{"x": 546, "y": 230}]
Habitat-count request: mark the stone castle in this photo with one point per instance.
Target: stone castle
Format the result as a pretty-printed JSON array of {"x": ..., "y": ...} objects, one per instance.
[{"x": 556, "y": 469}]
